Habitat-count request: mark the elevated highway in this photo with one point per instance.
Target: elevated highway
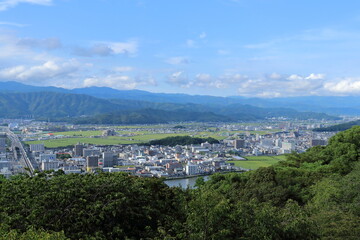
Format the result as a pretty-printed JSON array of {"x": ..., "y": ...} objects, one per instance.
[{"x": 19, "y": 151}]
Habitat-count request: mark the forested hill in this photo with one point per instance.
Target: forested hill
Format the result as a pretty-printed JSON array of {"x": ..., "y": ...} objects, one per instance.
[
  {"x": 312, "y": 195},
  {"x": 347, "y": 105},
  {"x": 49, "y": 104},
  {"x": 181, "y": 140},
  {"x": 52, "y": 105},
  {"x": 338, "y": 127},
  {"x": 146, "y": 116}
]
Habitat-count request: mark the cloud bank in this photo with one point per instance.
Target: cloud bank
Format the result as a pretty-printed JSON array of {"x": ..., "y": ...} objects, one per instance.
[{"x": 6, "y": 4}]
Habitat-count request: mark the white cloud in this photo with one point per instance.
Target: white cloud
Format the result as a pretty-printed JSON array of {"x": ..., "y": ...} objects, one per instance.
[
  {"x": 13, "y": 24},
  {"x": 206, "y": 80},
  {"x": 223, "y": 52},
  {"x": 95, "y": 50},
  {"x": 177, "y": 60},
  {"x": 275, "y": 85},
  {"x": 235, "y": 78},
  {"x": 110, "y": 81},
  {"x": 123, "y": 69},
  {"x": 48, "y": 43},
  {"x": 267, "y": 85},
  {"x": 190, "y": 43},
  {"x": 344, "y": 86},
  {"x": 204, "y": 77},
  {"x": 323, "y": 35},
  {"x": 180, "y": 78},
  {"x": 275, "y": 76},
  {"x": 118, "y": 81},
  {"x": 202, "y": 35},
  {"x": 129, "y": 48},
  {"x": 201, "y": 80},
  {"x": 45, "y": 71},
  {"x": 295, "y": 77},
  {"x": 314, "y": 76},
  {"x": 260, "y": 45},
  {"x": 6, "y": 4},
  {"x": 269, "y": 94},
  {"x": 26, "y": 51}
]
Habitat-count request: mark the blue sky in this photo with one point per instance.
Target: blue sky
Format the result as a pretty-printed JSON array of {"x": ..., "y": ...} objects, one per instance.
[{"x": 262, "y": 48}]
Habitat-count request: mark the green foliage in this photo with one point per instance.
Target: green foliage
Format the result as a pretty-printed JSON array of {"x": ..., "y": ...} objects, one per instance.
[
  {"x": 30, "y": 234},
  {"x": 182, "y": 140},
  {"x": 111, "y": 206},
  {"x": 151, "y": 116},
  {"x": 50, "y": 104},
  {"x": 255, "y": 162},
  {"x": 64, "y": 106},
  {"x": 312, "y": 195},
  {"x": 338, "y": 127},
  {"x": 63, "y": 156}
]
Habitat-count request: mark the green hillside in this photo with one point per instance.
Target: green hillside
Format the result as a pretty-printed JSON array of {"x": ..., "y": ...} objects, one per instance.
[
  {"x": 66, "y": 107},
  {"x": 312, "y": 195},
  {"x": 50, "y": 104},
  {"x": 338, "y": 127}
]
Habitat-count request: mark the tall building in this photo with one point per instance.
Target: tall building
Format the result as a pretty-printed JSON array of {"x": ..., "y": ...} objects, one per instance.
[
  {"x": 278, "y": 143},
  {"x": 5, "y": 164},
  {"x": 191, "y": 169},
  {"x": 92, "y": 162},
  {"x": 108, "y": 158},
  {"x": 239, "y": 143},
  {"x": 3, "y": 144},
  {"x": 50, "y": 165},
  {"x": 47, "y": 157},
  {"x": 287, "y": 147},
  {"x": 267, "y": 142},
  {"x": 78, "y": 150},
  {"x": 37, "y": 147},
  {"x": 90, "y": 152}
]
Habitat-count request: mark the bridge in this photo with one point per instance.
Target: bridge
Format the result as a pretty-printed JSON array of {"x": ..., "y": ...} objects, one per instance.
[{"x": 16, "y": 144}]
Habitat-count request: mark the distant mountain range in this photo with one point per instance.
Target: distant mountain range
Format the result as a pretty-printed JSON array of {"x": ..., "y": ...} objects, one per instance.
[
  {"x": 107, "y": 105},
  {"x": 332, "y": 105}
]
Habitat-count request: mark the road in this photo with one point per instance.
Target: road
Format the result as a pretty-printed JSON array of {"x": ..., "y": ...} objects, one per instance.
[{"x": 16, "y": 143}]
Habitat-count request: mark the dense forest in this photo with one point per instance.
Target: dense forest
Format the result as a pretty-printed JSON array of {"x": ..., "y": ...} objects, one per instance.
[
  {"x": 182, "y": 140},
  {"x": 313, "y": 195},
  {"x": 338, "y": 127}
]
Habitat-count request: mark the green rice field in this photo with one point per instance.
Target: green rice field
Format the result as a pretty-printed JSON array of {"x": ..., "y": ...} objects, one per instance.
[
  {"x": 255, "y": 162},
  {"x": 128, "y": 135}
]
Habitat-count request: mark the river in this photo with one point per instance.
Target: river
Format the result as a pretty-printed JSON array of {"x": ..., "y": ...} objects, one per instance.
[{"x": 184, "y": 182}]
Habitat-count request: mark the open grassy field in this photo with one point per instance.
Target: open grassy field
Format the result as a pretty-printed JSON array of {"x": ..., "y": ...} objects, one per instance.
[
  {"x": 130, "y": 135},
  {"x": 54, "y": 143},
  {"x": 79, "y": 133},
  {"x": 255, "y": 162},
  {"x": 63, "y": 142},
  {"x": 149, "y": 137}
]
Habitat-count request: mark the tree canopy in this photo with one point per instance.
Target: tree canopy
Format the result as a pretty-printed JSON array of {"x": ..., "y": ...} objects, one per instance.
[{"x": 312, "y": 195}]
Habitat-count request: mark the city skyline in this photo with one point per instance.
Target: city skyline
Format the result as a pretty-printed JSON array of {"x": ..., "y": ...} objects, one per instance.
[{"x": 221, "y": 47}]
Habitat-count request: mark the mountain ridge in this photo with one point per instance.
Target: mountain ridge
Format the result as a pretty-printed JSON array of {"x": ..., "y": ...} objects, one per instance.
[
  {"x": 139, "y": 98},
  {"x": 335, "y": 105},
  {"x": 65, "y": 106}
]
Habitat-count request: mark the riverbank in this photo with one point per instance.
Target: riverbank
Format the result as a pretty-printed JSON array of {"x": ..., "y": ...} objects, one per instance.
[{"x": 200, "y": 175}]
